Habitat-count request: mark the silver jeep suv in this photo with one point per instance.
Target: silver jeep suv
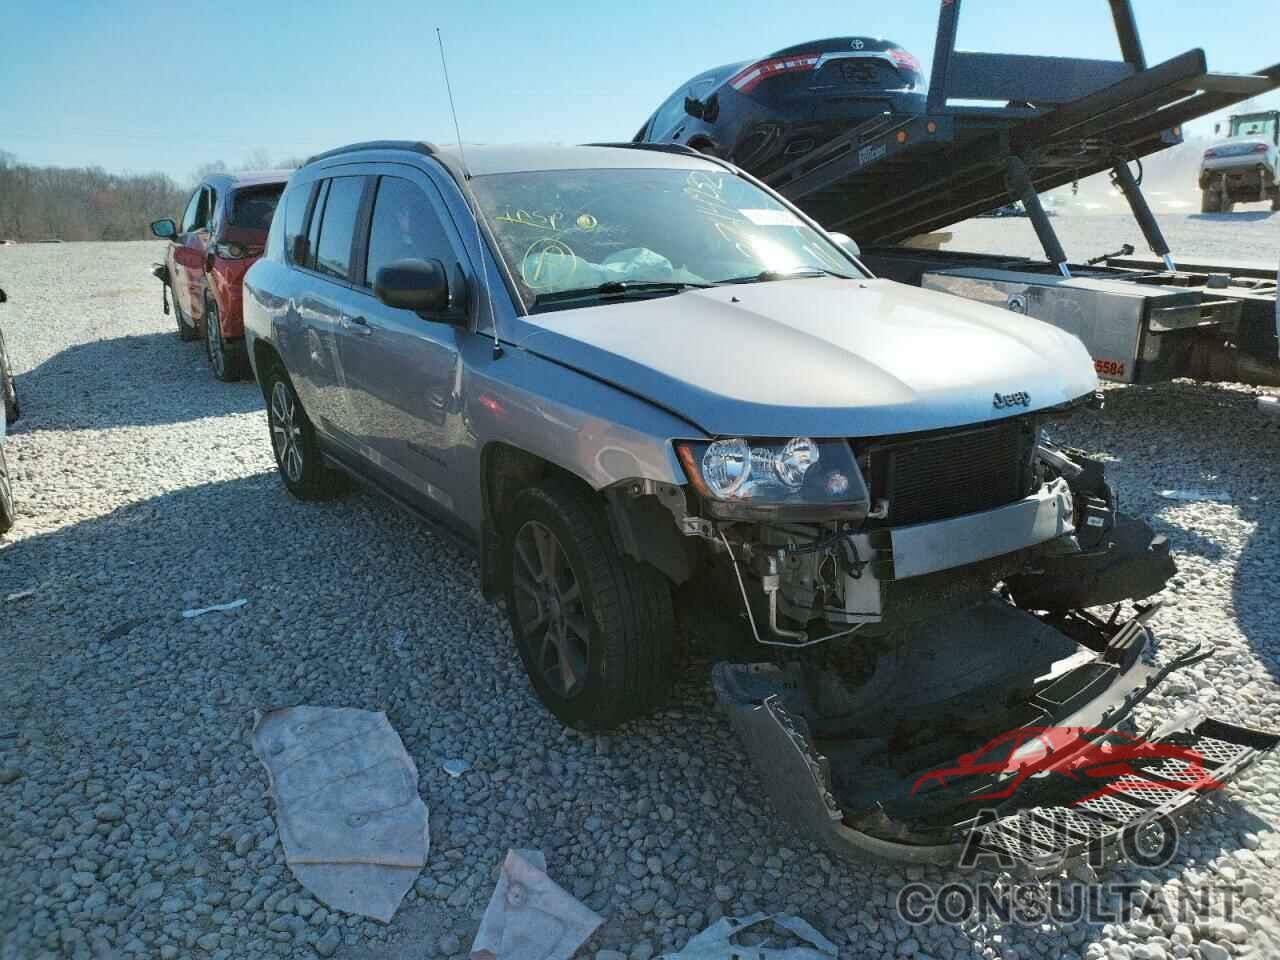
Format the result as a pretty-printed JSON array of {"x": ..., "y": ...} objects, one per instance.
[{"x": 672, "y": 414}]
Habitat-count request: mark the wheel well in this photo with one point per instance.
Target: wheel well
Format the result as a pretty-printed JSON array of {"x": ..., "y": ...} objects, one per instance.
[
  {"x": 264, "y": 358},
  {"x": 642, "y": 528},
  {"x": 505, "y": 471}
]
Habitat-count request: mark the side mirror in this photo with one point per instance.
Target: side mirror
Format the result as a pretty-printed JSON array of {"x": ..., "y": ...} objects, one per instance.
[
  {"x": 1217, "y": 128},
  {"x": 418, "y": 285},
  {"x": 693, "y": 106},
  {"x": 850, "y": 245},
  {"x": 165, "y": 229}
]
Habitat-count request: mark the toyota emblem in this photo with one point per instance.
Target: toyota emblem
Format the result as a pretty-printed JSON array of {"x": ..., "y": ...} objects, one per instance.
[{"x": 858, "y": 44}]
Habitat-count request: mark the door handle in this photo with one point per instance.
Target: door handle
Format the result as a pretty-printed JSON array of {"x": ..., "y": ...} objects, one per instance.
[{"x": 357, "y": 325}]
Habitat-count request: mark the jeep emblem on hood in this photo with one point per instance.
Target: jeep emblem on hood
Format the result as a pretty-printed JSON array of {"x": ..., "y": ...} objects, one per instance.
[{"x": 1002, "y": 400}]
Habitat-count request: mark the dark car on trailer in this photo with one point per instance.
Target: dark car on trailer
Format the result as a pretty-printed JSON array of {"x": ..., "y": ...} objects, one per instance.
[
  {"x": 763, "y": 113},
  {"x": 221, "y": 236}
]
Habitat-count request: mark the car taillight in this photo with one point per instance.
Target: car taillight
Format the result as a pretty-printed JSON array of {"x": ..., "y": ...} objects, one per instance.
[
  {"x": 1260, "y": 148},
  {"x": 229, "y": 250},
  {"x": 746, "y": 79},
  {"x": 1210, "y": 154},
  {"x": 904, "y": 60}
]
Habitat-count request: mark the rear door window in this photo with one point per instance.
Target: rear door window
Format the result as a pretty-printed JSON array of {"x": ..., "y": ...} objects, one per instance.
[
  {"x": 405, "y": 226},
  {"x": 338, "y": 227}
]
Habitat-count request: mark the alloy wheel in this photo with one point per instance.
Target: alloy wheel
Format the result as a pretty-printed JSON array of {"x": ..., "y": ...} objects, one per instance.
[
  {"x": 550, "y": 609},
  {"x": 286, "y": 431},
  {"x": 213, "y": 340}
]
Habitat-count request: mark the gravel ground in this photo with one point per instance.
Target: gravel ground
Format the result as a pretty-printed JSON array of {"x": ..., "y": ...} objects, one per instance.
[{"x": 134, "y": 819}]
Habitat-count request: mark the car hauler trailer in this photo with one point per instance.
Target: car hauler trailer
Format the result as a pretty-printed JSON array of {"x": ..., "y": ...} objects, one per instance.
[{"x": 1050, "y": 121}]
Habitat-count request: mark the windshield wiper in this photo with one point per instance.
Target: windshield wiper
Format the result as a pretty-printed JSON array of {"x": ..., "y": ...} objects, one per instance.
[
  {"x": 612, "y": 289},
  {"x": 765, "y": 276}
]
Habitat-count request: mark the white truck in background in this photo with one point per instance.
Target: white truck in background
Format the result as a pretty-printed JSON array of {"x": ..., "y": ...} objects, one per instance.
[{"x": 1244, "y": 167}]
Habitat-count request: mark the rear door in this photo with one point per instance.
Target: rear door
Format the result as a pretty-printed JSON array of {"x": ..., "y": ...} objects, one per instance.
[
  {"x": 403, "y": 372},
  {"x": 325, "y": 299}
]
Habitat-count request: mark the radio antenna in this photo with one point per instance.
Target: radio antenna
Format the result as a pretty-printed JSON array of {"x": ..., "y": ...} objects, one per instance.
[{"x": 466, "y": 174}]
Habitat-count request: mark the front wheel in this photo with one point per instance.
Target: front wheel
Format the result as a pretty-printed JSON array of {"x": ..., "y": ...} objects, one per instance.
[
  {"x": 293, "y": 440},
  {"x": 594, "y": 629},
  {"x": 186, "y": 331}
]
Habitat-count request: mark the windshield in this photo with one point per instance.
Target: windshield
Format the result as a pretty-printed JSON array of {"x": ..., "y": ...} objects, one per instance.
[
  {"x": 1263, "y": 126},
  {"x": 575, "y": 230}
]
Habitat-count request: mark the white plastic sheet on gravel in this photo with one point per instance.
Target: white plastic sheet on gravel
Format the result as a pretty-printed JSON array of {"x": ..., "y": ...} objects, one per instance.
[{"x": 138, "y": 821}]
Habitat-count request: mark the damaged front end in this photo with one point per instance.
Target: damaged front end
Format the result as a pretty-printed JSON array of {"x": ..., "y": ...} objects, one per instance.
[{"x": 926, "y": 675}]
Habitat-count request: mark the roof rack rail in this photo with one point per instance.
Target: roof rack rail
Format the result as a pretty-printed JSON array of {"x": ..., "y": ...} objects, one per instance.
[
  {"x": 417, "y": 146},
  {"x": 658, "y": 147}
]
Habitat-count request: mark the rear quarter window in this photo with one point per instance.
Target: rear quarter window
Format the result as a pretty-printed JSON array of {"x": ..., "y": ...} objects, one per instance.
[{"x": 295, "y": 203}]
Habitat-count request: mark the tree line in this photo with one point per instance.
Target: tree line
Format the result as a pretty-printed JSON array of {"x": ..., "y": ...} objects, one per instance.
[{"x": 88, "y": 203}]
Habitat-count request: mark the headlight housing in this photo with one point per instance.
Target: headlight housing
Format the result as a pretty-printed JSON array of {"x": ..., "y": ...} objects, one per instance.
[{"x": 749, "y": 479}]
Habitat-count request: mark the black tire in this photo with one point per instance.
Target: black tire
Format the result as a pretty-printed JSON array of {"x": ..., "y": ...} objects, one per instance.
[
  {"x": 186, "y": 331},
  {"x": 8, "y": 391},
  {"x": 293, "y": 440},
  {"x": 226, "y": 360},
  {"x": 1275, "y": 203},
  {"x": 616, "y": 631},
  {"x": 1210, "y": 201},
  {"x": 8, "y": 511}
]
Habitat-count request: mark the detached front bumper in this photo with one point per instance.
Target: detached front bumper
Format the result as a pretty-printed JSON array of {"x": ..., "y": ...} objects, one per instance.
[{"x": 856, "y": 791}]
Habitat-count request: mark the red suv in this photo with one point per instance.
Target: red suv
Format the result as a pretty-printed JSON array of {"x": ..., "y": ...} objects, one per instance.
[{"x": 222, "y": 234}]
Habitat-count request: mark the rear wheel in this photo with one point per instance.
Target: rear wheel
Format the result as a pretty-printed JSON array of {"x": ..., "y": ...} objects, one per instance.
[
  {"x": 7, "y": 509},
  {"x": 293, "y": 440},
  {"x": 594, "y": 629},
  {"x": 225, "y": 359},
  {"x": 8, "y": 391},
  {"x": 1210, "y": 201},
  {"x": 1275, "y": 203}
]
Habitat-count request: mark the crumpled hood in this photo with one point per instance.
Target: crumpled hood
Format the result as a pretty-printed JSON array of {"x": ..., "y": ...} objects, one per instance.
[{"x": 825, "y": 357}]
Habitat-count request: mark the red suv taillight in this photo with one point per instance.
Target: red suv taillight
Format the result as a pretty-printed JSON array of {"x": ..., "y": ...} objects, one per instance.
[
  {"x": 904, "y": 60},
  {"x": 1210, "y": 153},
  {"x": 1260, "y": 148},
  {"x": 230, "y": 250}
]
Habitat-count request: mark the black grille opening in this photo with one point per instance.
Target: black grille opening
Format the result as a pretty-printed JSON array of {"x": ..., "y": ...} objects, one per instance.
[{"x": 935, "y": 476}]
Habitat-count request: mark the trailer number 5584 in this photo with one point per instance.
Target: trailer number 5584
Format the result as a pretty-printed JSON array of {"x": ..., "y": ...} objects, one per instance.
[{"x": 1109, "y": 368}]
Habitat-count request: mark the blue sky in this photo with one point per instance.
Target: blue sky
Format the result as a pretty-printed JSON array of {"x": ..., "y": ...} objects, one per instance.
[{"x": 146, "y": 86}]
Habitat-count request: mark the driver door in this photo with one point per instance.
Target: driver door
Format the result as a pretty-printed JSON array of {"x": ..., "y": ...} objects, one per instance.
[{"x": 188, "y": 251}]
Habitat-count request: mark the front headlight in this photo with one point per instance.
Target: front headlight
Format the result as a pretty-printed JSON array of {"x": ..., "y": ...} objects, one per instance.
[{"x": 742, "y": 478}]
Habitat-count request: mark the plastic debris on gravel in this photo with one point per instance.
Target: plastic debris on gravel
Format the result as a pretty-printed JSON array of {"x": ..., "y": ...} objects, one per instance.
[
  {"x": 529, "y": 916},
  {"x": 353, "y": 828},
  {"x": 216, "y": 608},
  {"x": 718, "y": 941}
]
